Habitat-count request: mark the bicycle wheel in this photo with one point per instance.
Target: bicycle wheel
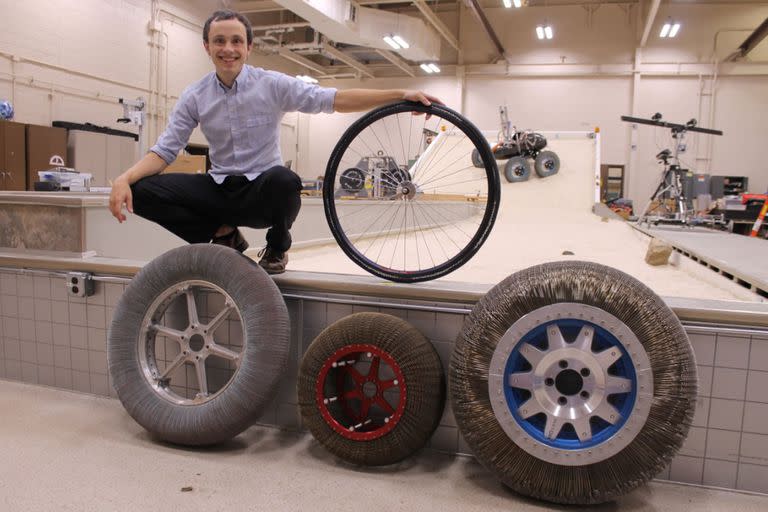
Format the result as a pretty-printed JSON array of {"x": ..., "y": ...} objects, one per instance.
[{"x": 431, "y": 217}]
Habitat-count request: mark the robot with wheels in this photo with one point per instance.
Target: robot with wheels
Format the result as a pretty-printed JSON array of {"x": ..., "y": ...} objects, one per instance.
[
  {"x": 516, "y": 147},
  {"x": 384, "y": 170}
]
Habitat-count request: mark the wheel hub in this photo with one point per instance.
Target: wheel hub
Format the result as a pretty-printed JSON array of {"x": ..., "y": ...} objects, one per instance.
[
  {"x": 361, "y": 392},
  {"x": 406, "y": 190},
  {"x": 569, "y": 382},
  {"x": 567, "y": 379}
]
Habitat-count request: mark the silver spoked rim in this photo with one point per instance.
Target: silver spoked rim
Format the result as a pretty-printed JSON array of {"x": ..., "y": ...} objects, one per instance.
[
  {"x": 195, "y": 341},
  {"x": 561, "y": 399}
]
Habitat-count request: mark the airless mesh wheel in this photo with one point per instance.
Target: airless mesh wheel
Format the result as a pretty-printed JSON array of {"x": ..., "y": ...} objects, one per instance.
[
  {"x": 176, "y": 357},
  {"x": 573, "y": 382},
  {"x": 371, "y": 389}
]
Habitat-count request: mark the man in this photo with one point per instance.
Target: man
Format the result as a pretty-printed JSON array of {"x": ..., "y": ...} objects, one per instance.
[{"x": 238, "y": 108}]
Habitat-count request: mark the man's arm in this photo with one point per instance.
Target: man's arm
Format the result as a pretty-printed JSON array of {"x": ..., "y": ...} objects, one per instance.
[
  {"x": 121, "y": 187},
  {"x": 358, "y": 100}
]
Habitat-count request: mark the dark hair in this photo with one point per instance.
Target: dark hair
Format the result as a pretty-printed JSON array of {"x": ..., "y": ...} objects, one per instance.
[{"x": 227, "y": 14}]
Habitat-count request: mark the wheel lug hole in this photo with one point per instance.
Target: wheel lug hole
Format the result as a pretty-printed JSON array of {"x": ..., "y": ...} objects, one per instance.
[
  {"x": 584, "y": 395},
  {"x": 585, "y": 372},
  {"x": 563, "y": 363},
  {"x": 549, "y": 381},
  {"x": 562, "y": 400}
]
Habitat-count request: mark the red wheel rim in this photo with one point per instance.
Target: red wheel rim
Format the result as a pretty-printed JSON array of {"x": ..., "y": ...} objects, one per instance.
[{"x": 357, "y": 408}]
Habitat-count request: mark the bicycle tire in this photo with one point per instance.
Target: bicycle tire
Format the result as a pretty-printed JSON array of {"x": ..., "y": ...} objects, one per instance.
[{"x": 488, "y": 181}]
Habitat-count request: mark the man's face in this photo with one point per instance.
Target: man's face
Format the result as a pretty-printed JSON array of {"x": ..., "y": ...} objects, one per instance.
[{"x": 228, "y": 47}]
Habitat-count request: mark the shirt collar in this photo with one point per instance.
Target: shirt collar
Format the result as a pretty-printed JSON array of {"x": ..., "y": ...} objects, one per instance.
[{"x": 239, "y": 80}]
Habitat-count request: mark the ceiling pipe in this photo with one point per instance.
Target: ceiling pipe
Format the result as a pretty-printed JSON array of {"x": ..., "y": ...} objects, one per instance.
[
  {"x": 474, "y": 6},
  {"x": 397, "y": 61},
  {"x": 649, "y": 22},
  {"x": 441, "y": 28},
  {"x": 750, "y": 42},
  {"x": 347, "y": 59}
]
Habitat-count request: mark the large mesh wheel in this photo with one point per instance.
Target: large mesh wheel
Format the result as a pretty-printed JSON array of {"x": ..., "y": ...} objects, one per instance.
[
  {"x": 371, "y": 389},
  {"x": 433, "y": 214},
  {"x": 197, "y": 343},
  {"x": 573, "y": 382}
]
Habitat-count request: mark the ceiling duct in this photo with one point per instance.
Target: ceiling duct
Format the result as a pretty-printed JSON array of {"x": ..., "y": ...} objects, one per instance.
[{"x": 344, "y": 21}]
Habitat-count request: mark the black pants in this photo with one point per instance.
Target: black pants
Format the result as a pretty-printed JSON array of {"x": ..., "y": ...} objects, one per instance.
[{"x": 193, "y": 206}]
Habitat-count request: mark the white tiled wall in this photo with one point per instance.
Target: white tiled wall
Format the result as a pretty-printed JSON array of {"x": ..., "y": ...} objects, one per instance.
[{"x": 52, "y": 339}]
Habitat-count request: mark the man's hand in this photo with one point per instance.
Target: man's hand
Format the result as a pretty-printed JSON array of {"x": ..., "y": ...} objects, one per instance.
[
  {"x": 421, "y": 97},
  {"x": 120, "y": 195}
]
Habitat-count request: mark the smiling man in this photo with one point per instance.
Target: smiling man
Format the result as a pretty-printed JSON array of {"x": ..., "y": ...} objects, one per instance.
[{"x": 238, "y": 108}]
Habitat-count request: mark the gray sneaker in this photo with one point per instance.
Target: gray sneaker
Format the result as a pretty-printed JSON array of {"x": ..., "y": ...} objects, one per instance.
[{"x": 272, "y": 261}]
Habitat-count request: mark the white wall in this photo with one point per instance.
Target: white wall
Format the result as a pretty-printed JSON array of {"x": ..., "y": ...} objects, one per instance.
[{"x": 74, "y": 59}]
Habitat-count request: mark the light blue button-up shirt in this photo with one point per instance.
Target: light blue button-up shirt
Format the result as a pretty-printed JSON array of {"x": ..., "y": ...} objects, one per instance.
[{"x": 242, "y": 123}]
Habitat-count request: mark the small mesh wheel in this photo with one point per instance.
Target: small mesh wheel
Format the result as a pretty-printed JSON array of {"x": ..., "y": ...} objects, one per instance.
[
  {"x": 517, "y": 169},
  {"x": 547, "y": 163},
  {"x": 430, "y": 208},
  {"x": 371, "y": 389}
]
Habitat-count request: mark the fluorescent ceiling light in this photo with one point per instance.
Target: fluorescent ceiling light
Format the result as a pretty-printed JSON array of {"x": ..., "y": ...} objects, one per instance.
[
  {"x": 426, "y": 68},
  {"x": 675, "y": 29},
  {"x": 391, "y": 42},
  {"x": 548, "y": 31},
  {"x": 540, "y": 32},
  {"x": 518, "y": 3},
  {"x": 665, "y": 30},
  {"x": 399, "y": 40},
  {"x": 434, "y": 67},
  {"x": 508, "y": 3}
]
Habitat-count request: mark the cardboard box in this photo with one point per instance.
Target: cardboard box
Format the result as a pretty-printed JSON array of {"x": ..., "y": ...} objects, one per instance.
[
  {"x": 43, "y": 142},
  {"x": 188, "y": 163}
]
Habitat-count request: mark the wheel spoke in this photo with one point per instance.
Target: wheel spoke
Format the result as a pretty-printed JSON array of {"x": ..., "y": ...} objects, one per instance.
[
  {"x": 387, "y": 384},
  {"x": 584, "y": 339},
  {"x": 354, "y": 374},
  {"x": 555, "y": 338},
  {"x": 553, "y": 426},
  {"x": 202, "y": 380},
  {"x": 617, "y": 385},
  {"x": 608, "y": 413},
  {"x": 175, "y": 364},
  {"x": 522, "y": 380},
  {"x": 607, "y": 357},
  {"x": 374, "y": 370},
  {"x": 222, "y": 352},
  {"x": 531, "y": 354},
  {"x": 355, "y": 393},
  {"x": 583, "y": 428},
  {"x": 530, "y": 408},
  {"x": 191, "y": 307},
  {"x": 365, "y": 407},
  {"x": 216, "y": 322},
  {"x": 167, "y": 332},
  {"x": 384, "y": 405}
]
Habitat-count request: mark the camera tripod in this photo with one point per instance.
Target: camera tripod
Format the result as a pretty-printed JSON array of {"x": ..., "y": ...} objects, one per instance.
[{"x": 671, "y": 185}]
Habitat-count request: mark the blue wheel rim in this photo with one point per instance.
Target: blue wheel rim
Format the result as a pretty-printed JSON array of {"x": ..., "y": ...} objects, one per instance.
[{"x": 567, "y": 439}]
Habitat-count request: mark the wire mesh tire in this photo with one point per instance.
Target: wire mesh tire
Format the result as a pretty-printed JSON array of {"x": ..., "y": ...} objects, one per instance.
[
  {"x": 573, "y": 382},
  {"x": 547, "y": 163},
  {"x": 371, "y": 389},
  {"x": 435, "y": 221},
  {"x": 517, "y": 169},
  {"x": 175, "y": 358}
]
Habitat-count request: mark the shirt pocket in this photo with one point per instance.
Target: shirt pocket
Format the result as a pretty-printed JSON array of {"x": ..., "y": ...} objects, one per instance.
[{"x": 254, "y": 120}]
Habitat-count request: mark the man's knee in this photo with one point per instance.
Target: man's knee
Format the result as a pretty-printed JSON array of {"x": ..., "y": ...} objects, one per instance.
[{"x": 285, "y": 180}]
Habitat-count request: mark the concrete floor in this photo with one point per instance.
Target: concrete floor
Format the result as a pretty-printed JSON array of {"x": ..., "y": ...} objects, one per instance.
[{"x": 68, "y": 451}]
